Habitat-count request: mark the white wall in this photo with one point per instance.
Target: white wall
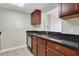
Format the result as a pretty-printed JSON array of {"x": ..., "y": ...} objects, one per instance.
[
  {"x": 55, "y": 22},
  {"x": 12, "y": 26},
  {"x": 70, "y": 26}
]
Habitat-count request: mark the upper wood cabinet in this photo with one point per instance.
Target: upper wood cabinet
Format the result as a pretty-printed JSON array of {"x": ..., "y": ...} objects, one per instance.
[
  {"x": 77, "y": 6},
  {"x": 36, "y": 17},
  {"x": 68, "y": 9}
]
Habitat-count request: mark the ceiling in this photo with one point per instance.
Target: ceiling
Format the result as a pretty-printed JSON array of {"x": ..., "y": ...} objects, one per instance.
[{"x": 29, "y": 7}]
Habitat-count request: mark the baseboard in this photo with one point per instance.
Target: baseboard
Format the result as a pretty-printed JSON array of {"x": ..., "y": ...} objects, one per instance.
[{"x": 11, "y": 49}]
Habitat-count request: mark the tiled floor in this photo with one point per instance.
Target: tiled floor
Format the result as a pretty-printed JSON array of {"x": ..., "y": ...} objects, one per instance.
[{"x": 19, "y": 52}]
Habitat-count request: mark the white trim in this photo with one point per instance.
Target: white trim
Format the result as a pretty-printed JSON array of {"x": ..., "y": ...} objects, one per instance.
[{"x": 11, "y": 49}]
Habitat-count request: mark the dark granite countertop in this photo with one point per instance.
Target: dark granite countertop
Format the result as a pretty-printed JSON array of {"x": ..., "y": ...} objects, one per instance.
[{"x": 65, "y": 39}]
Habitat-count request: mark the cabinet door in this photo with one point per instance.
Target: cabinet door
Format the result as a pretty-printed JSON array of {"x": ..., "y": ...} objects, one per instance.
[
  {"x": 77, "y": 7},
  {"x": 34, "y": 45},
  {"x": 62, "y": 49},
  {"x": 68, "y": 9},
  {"x": 51, "y": 52},
  {"x": 34, "y": 18},
  {"x": 41, "y": 47},
  {"x": 41, "y": 50},
  {"x": 78, "y": 53},
  {"x": 37, "y": 17}
]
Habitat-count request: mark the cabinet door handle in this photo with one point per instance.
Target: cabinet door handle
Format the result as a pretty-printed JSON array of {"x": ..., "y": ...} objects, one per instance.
[
  {"x": 47, "y": 49},
  {"x": 57, "y": 47}
]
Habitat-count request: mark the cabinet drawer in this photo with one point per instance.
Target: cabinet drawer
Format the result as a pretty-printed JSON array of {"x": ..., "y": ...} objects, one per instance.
[
  {"x": 60, "y": 48},
  {"x": 51, "y": 52}
]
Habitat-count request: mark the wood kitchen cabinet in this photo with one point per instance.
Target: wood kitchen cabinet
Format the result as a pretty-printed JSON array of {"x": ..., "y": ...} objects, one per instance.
[
  {"x": 78, "y": 52},
  {"x": 34, "y": 45},
  {"x": 52, "y": 52},
  {"x": 61, "y": 49},
  {"x": 41, "y": 47},
  {"x": 77, "y": 6},
  {"x": 45, "y": 47},
  {"x": 36, "y": 17},
  {"x": 38, "y": 46},
  {"x": 68, "y": 10}
]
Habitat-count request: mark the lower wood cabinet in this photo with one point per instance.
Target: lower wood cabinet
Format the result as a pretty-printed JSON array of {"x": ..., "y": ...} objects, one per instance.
[
  {"x": 38, "y": 46},
  {"x": 52, "y": 52},
  {"x": 34, "y": 45},
  {"x": 62, "y": 49},
  {"x": 44, "y": 47},
  {"x": 41, "y": 47},
  {"x": 78, "y": 53}
]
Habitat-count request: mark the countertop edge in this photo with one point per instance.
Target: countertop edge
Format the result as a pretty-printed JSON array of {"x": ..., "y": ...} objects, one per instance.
[{"x": 72, "y": 47}]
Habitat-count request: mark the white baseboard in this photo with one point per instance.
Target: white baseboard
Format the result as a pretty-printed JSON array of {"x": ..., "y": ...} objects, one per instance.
[{"x": 11, "y": 49}]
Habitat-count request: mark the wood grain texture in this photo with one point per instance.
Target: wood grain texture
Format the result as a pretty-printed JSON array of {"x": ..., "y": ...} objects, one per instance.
[
  {"x": 62, "y": 49},
  {"x": 67, "y": 10},
  {"x": 52, "y": 52},
  {"x": 41, "y": 47},
  {"x": 44, "y": 47},
  {"x": 36, "y": 17},
  {"x": 34, "y": 45}
]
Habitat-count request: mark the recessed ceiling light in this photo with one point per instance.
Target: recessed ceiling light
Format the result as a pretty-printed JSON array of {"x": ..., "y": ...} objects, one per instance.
[{"x": 18, "y": 4}]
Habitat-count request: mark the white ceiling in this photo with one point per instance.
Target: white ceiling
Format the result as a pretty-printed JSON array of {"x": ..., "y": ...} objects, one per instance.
[{"x": 29, "y": 7}]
